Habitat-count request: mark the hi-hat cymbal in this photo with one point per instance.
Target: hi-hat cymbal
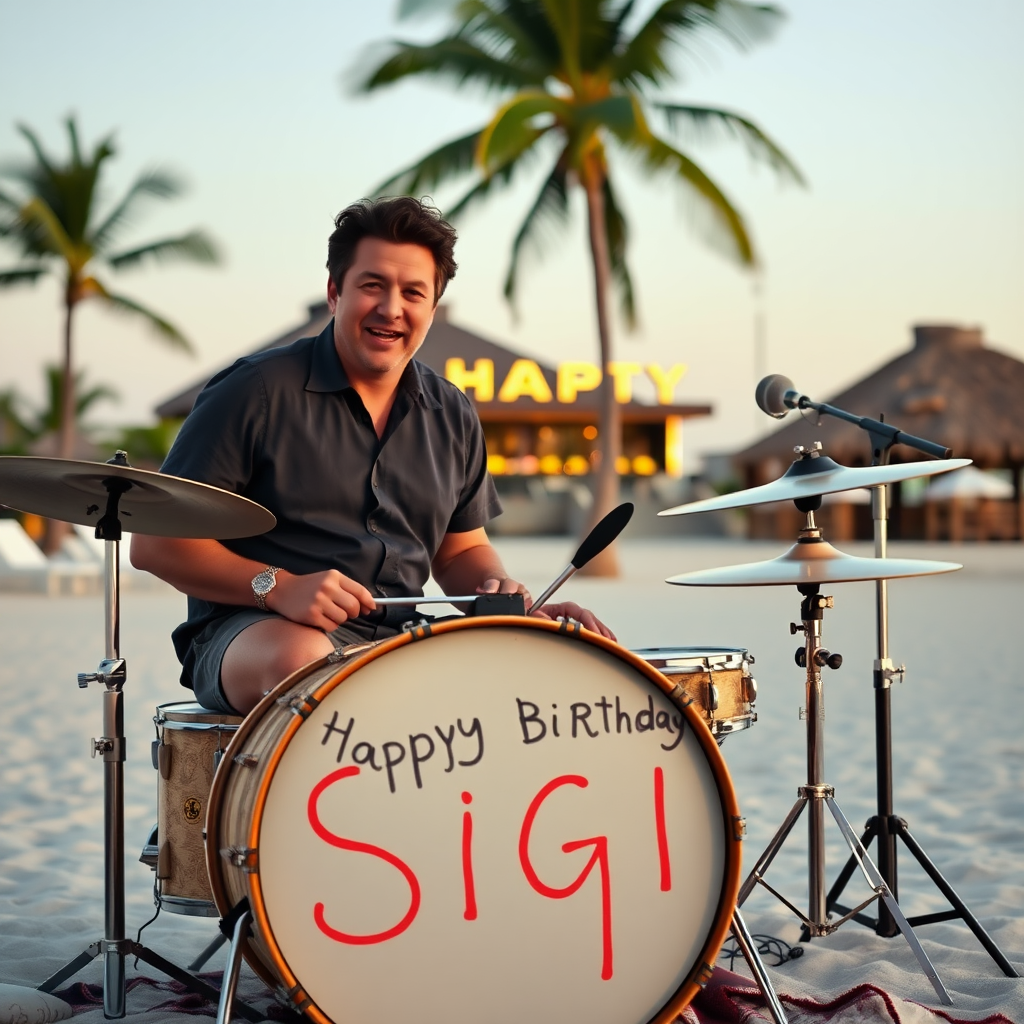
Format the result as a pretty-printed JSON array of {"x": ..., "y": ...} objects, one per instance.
[
  {"x": 811, "y": 561},
  {"x": 807, "y": 477},
  {"x": 154, "y": 503}
]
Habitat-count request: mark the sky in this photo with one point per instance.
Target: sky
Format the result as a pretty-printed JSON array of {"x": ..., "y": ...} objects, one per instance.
[{"x": 904, "y": 117}]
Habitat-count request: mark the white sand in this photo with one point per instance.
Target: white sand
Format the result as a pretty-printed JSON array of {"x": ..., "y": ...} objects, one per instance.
[{"x": 958, "y": 757}]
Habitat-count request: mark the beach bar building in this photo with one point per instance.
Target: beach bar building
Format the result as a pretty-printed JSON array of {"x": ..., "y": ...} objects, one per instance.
[
  {"x": 539, "y": 420},
  {"x": 951, "y": 388}
]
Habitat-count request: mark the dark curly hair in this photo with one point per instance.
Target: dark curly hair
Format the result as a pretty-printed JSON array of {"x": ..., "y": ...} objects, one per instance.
[{"x": 399, "y": 219}]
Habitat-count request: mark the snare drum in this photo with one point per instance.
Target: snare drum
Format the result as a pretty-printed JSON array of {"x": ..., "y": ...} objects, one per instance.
[
  {"x": 716, "y": 679},
  {"x": 189, "y": 744},
  {"x": 494, "y": 818}
]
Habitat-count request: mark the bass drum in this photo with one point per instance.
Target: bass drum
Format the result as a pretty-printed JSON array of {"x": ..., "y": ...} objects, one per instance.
[{"x": 498, "y": 819}]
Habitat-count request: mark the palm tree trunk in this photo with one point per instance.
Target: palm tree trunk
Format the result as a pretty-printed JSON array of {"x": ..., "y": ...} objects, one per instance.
[
  {"x": 56, "y": 531},
  {"x": 609, "y": 426},
  {"x": 66, "y": 446}
]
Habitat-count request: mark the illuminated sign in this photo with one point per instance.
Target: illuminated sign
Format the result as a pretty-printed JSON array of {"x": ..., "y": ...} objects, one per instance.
[{"x": 525, "y": 379}]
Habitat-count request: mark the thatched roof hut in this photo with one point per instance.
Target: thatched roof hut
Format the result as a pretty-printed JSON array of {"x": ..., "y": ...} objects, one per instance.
[{"x": 950, "y": 388}]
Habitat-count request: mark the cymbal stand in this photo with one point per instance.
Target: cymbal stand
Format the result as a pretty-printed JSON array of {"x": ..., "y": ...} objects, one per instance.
[
  {"x": 817, "y": 794},
  {"x": 112, "y": 673},
  {"x": 886, "y": 826}
]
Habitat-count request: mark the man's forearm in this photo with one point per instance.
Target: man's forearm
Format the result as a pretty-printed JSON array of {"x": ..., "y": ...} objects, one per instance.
[
  {"x": 202, "y": 568},
  {"x": 469, "y": 569}
]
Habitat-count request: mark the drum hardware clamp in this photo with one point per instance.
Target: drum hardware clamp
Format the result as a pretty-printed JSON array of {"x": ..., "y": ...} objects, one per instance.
[{"x": 246, "y": 760}]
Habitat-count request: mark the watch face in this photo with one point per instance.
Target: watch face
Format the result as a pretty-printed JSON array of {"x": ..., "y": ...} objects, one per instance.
[{"x": 263, "y": 583}]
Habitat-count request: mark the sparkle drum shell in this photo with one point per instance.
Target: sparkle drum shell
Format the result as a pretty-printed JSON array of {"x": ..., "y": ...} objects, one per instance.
[
  {"x": 189, "y": 744},
  {"x": 490, "y": 819},
  {"x": 716, "y": 679}
]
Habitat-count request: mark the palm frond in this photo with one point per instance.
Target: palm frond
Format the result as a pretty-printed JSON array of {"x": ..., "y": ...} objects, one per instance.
[
  {"x": 714, "y": 217},
  {"x": 499, "y": 178},
  {"x": 150, "y": 184},
  {"x": 456, "y": 59},
  {"x": 512, "y": 128},
  {"x": 564, "y": 18},
  {"x": 645, "y": 58},
  {"x": 451, "y": 160},
  {"x": 550, "y": 210},
  {"x": 44, "y": 234},
  {"x": 163, "y": 328},
  {"x": 194, "y": 247},
  {"x": 20, "y": 275},
  {"x": 414, "y": 8},
  {"x": 617, "y": 233},
  {"x": 42, "y": 159},
  {"x": 709, "y": 122}
]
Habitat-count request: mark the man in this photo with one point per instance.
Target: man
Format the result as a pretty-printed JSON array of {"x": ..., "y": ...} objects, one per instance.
[{"x": 374, "y": 466}]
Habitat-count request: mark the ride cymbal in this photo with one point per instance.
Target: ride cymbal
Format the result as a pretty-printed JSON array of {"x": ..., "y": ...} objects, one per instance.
[
  {"x": 811, "y": 561},
  {"x": 817, "y": 474},
  {"x": 152, "y": 503}
]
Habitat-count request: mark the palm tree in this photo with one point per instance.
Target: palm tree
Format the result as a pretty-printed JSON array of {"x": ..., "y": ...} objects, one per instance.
[
  {"x": 55, "y": 220},
  {"x": 20, "y": 429},
  {"x": 576, "y": 77}
]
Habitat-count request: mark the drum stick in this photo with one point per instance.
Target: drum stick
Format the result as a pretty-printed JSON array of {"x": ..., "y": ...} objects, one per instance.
[
  {"x": 441, "y": 599},
  {"x": 593, "y": 544}
]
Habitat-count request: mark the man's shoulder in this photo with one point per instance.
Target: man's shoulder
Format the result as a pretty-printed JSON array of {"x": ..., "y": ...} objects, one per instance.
[{"x": 443, "y": 390}]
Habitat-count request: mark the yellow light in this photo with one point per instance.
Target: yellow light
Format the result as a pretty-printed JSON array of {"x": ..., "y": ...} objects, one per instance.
[
  {"x": 545, "y": 433},
  {"x": 644, "y": 465},
  {"x": 550, "y": 465},
  {"x": 590, "y": 432},
  {"x": 529, "y": 465},
  {"x": 576, "y": 465},
  {"x": 622, "y": 465},
  {"x": 497, "y": 465}
]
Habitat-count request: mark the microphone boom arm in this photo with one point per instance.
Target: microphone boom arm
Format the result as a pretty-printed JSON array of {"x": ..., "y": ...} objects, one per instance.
[{"x": 885, "y": 433}]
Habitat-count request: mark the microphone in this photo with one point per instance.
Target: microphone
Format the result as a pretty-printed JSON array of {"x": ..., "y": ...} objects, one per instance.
[
  {"x": 776, "y": 395},
  {"x": 593, "y": 544}
]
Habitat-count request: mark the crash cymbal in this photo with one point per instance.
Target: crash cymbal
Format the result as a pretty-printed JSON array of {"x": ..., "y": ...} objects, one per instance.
[
  {"x": 153, "y": 503},
  {"x": 811, "y": 561},
  {"x": 813, "y": 474}
]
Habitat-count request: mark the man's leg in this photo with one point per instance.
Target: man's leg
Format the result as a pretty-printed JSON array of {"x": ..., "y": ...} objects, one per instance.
[{"x": 265, "y": 653}]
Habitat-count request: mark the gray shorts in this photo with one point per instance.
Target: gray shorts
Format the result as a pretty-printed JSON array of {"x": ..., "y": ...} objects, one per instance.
[{"x": 209, "y": 654}]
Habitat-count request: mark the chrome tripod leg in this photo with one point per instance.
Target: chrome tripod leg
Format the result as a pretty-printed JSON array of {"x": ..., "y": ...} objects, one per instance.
[
  {"x": 749, "y": 950},
  {"x": 878, "y": 884},
  {"x": 227, "y": 989},
  {"x": 764, "y": 861}
]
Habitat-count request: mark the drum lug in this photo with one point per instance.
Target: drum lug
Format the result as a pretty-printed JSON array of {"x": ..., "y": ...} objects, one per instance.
[
  {"x": 163, "y": 861},
  {"x": 293, "y": 998},
  {"x": 739, "y": 827},
  {"x": 419, "y": 628},
  {"x": 246, "y": 760},
  {"x": 700, "y": 975},
  {"x": 678, "y": 696},
  {"x": 243, "y": 857},
  {"x": 301, "y": 706},
  {"x": 712, "y": 696},
  {"x": 751, "y": 684},
  {"x": 570, "y": 627},
  {"x": 163, "y": 761}
]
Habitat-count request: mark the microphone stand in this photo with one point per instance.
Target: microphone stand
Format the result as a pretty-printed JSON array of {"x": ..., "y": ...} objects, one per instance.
[{"x": 886, "y": 825}]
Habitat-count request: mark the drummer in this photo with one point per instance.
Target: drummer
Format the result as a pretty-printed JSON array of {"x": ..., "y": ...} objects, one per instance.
[{"x": 374, "y": 465}]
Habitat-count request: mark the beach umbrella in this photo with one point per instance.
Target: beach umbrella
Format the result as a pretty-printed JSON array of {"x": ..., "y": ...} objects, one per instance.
[{"x": 969, "y": 482}]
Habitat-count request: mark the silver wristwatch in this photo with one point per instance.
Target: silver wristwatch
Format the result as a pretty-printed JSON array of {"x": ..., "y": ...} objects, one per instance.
[{"x": 263, "y": 583}]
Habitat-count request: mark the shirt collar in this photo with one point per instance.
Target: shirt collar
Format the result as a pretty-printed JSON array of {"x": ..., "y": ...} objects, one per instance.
[{"x": 327, "y": 374}]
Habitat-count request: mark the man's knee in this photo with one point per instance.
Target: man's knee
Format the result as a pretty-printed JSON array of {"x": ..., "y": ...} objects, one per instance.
[{"x": 269, "y": 651}]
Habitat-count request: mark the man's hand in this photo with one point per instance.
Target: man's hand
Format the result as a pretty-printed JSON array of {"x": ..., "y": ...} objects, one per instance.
[
  {"x": 571, "y": 610},
  {"x": 320, "y": 599}
]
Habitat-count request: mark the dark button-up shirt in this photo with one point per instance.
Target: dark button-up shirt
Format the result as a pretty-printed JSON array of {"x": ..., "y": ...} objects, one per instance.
[{"x": 285, "y": 428}]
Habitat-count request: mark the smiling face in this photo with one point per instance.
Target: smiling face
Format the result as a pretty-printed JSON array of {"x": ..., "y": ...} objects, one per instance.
[{"x": 384, "y": 309}]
